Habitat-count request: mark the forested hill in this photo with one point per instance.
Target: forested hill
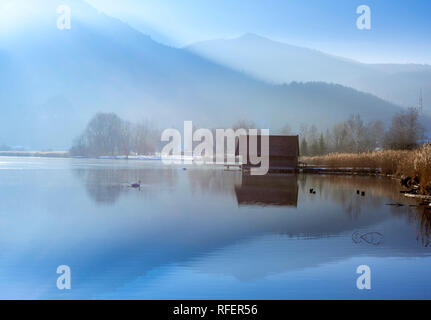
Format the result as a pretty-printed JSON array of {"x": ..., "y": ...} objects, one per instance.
[{"x": 53, "y": 81}]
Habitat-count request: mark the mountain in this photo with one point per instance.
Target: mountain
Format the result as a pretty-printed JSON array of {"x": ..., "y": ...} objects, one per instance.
[
  {"x": 52, "y": 81},
  {"x": 278, "y": 62}
]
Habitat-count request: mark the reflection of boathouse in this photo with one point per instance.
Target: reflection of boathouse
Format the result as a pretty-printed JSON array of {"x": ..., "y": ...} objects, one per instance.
[
  {"x": 277, "y": 190},
  {"x": 283, "y": 152}
]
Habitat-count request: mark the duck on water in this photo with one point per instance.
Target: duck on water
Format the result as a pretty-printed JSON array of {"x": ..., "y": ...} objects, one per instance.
[{"x": 136, "y": 185}]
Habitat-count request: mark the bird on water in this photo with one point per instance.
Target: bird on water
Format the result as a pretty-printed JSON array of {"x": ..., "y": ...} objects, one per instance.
[{"x": 136, "y": 185}]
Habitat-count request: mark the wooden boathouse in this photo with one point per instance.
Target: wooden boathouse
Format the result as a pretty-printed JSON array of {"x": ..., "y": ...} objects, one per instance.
[{"x": 283, "y": 153}]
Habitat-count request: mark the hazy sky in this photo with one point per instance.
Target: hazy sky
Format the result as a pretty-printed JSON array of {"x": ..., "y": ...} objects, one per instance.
[{"x": 400, "y": 30}]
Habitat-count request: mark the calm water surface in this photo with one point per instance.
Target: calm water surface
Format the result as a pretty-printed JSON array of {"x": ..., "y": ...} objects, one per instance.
[{"x": 204, "y": 233}]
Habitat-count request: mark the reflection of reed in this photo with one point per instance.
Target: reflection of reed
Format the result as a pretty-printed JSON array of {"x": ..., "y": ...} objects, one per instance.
[
  {"x": 343, "y": 190},
  {"x": 413, "y": 163},
  {"x": 377, "y": 186},
  {"x": 423, "y": 220},
  {"x": 379, "y": 190}
]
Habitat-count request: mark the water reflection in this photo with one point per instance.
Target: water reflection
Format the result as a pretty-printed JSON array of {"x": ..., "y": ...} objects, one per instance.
[
  {"x": 343, "y": 190},
  {"x": 422, "y": 217},
  {"x": 187, "y": 228},
  {"x": 212, "y": 181},
  {"x": 277, "y": 190},
  {"x": 105, "y": 185}
]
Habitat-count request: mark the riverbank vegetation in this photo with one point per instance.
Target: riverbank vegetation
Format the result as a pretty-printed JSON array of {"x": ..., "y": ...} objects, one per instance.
[
  {"x": 398, "y": 163},
  {"x": 400, "y": 151}
]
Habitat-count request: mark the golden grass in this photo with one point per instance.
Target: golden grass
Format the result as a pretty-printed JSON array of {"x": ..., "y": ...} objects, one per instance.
[{"x": 391, "y": 162}]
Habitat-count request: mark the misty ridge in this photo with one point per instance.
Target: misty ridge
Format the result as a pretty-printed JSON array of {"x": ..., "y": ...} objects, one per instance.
[
  {"x": 398, "y": 83},
  {"x": 53, "y": 82}
]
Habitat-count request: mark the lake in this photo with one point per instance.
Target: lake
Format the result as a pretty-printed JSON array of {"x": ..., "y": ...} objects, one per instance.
[{"x": 204, "y": 233}]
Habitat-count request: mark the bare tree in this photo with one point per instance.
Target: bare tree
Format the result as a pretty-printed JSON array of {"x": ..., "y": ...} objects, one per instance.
[
  {"x": 125, "y": 138},
  {"x": 103, "y": 134},
  {"x": 244, "y": 124},
  {"x": 373, "y": 137},
  {"x": 406, "y": 130},
  {"x": 146, "y": 138},
  {"x": 313, "y": 141},
  {"x": 339, "y": 137},
  {"x": 355, "y": 130},
  {"x": 108, "y": 134},
  {"x": 303, "y": 130},
  {"x": 286, "y": 130},
  {"x": 303, "y": 135},
  {"x": 328, "y": 141},
  {"x": 304, "y": 147}
]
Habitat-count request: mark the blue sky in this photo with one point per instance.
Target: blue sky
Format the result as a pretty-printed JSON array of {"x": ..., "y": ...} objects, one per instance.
[{"x": 400, "y": 30}]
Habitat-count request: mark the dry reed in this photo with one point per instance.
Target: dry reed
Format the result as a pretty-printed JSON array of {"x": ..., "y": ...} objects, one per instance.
[{"x": 413, "y": 163}]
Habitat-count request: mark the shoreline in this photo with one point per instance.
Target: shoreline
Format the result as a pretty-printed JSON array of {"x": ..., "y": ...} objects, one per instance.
[
  {"x": 38, "y": 154},
  {"x": 66, "y": 155},
  {"x": 412, "y": 167},
  {"x": 304, "y": 169},
  {"x": 363, "y": 172}
]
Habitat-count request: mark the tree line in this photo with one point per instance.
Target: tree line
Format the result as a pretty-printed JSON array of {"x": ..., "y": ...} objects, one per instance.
[
  {"x": 354, "y": 135},
  {"x": 108, "y": 135}
]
